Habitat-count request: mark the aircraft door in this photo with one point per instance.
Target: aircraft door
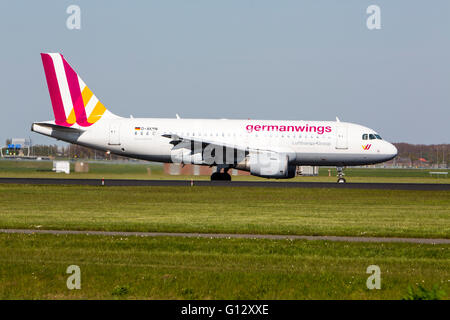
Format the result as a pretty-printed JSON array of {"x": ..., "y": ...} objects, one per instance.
[
  {"x": 114, "y": 133},
  {"x": 341, "y": 137}
]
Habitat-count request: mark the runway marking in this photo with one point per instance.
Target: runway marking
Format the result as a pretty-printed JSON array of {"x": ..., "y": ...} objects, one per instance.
[
  {"x": 206, "y": 183},
  {"x": 228, "y": 236}
]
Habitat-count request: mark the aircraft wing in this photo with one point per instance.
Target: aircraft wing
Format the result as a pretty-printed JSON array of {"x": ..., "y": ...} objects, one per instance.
[
  {"x": 197, "y": 144},
  {"x": 191, "y": 143},
  {"x": 206, "y": 151}
]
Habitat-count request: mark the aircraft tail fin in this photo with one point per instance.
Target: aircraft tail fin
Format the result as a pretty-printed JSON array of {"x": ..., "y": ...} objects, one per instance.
[{"x": 72, "y": 100}]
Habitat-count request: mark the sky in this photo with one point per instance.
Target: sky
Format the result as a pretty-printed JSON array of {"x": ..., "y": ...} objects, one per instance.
[{"x": 237, "y": 59}]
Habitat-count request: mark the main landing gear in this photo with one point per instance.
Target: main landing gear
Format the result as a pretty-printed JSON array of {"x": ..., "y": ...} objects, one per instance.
[
  {"x": 221, "y": 176},
  {"x": 340, "y": 171}
]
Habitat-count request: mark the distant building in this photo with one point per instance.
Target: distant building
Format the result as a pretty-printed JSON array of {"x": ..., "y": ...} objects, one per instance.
[
  {"x": 177, "y": 169},
  {"x": 307, "y": 171},
  {"x": 61, "y": 167}
]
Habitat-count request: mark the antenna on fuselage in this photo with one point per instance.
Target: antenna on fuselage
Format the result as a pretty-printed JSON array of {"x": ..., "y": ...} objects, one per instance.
[
  {"x": 178, "y": 117},
  {"x": 337, "y": 119}
]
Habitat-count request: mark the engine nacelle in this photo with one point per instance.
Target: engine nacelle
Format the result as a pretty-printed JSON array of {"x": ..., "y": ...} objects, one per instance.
[{"x": 268, "y": 165}]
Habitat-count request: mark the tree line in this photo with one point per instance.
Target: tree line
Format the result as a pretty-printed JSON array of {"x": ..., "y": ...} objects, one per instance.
[
  {"x": 420, "y": 153},
  {"x": 414, "y": 153}
]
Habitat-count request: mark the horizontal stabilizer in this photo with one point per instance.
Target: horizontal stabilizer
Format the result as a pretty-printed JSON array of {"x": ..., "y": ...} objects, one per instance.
[{"x": 54, "y": 126}]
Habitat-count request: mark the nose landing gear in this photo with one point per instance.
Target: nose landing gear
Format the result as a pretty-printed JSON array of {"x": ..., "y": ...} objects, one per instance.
[{"x": 340, "y": 171}]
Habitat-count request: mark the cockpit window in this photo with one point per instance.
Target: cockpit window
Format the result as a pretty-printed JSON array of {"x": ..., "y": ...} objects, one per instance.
[{"x": 371, "y": 136}]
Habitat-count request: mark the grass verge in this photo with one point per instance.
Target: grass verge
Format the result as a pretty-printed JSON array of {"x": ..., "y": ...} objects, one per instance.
[
  {"x": 348, "y": 212},
  {"x": 34, "y": 267}
]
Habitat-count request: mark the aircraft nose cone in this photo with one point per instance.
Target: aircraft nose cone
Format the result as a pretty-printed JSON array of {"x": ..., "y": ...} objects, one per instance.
[{"x": 391, "y": 151}]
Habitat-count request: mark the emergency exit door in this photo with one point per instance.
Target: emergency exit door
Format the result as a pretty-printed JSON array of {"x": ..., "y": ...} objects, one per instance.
[{"x": 114, "y": 133}]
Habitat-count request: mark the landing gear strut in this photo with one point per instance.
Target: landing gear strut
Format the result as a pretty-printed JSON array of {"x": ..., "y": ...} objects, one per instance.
[
  {"x": 340, "y": 171},
  {"x": 221, "y": 176}
]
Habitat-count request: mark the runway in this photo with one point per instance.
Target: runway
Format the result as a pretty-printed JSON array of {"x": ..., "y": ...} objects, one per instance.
[
  {"x": 206, "y": 183},
  {"x": 227, "y": 236}
]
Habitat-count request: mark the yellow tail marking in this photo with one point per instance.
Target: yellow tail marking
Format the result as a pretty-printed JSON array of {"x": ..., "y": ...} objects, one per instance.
[
  {"x": 71, "y": 119},
  {"x": 97, "y": 113},
  {"x": 87, "y": 95}
]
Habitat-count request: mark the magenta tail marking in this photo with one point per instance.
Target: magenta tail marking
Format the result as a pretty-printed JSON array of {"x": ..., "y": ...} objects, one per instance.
[
  {"x": 53, "y": 89},
  {"x": 75, "y": 93}
]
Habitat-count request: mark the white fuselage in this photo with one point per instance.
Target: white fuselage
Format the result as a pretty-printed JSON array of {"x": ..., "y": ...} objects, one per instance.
[
  {"x": 265, "y": 148},
  {"x": 319, "y": 143}
]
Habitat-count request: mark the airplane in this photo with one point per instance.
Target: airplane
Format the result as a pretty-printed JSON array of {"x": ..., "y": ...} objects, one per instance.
[{"x": 265, "y": 148}]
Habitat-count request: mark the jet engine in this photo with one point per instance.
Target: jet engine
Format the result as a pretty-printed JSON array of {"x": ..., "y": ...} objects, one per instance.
[{"x": 268, "y": 165}]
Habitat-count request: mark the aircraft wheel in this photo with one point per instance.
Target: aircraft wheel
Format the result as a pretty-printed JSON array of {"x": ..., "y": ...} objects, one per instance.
[
  {"x": 219, "y": 176},
  {"x": 341, "y": 180},
  {"x": 216, "y": 176}
]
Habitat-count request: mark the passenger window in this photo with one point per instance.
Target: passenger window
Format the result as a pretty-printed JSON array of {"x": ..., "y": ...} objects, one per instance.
[
  {"x": 364, "y": 136},
  {"x": 372, "y": 137}
]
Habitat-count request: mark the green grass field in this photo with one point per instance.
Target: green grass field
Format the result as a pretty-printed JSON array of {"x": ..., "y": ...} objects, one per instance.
[
  {"x": 34, "y": 267},
  {"x": 301, "y": 211},
  {"x": 99, "y": 170}
]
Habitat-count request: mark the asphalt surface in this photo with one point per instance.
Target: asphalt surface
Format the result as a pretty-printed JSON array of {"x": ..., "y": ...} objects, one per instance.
[
  {"x": 226, "y": 236},
  {"x": 205, "y": 183}
]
